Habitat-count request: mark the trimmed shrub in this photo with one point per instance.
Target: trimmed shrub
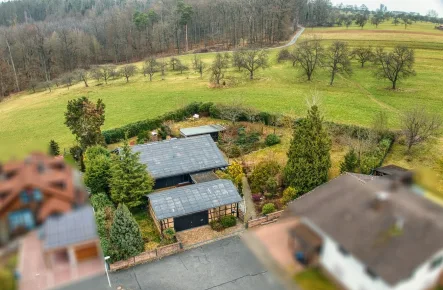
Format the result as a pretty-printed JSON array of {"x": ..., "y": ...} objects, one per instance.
[
  {"x": 268, "y": 208},
  {"x": 216, "y": 226},
  {"x": 263, "y": 172},
  {"x": 228, "y": 221},
  {"x": 100, "y": 201},
  {"x": 289, "y": 194},
  {"x": 272, "y": 139},
  {"x": 169, "y": 234}
]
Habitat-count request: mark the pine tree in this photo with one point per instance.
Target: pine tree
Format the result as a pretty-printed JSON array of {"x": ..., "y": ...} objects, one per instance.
[
  {"x": 129, "y": 181},
  {"x": 350, "y": 163},
  {"x": 54, "y": 149},
  {"x": 126, "y": 239},
  {"x": 308, "y": 156}
]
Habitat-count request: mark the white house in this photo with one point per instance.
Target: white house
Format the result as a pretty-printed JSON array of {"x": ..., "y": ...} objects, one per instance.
[{"x": 371, "y": 234}]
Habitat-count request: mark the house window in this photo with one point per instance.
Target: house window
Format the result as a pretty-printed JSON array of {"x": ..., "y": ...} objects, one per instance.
[
  {"x": 343, "y": 250},
  {"x": 24, "y": 197},
  {"x": 371, "y": 273},
  {"x": 21, "y": 218},
  {"x": 436, "y": 263},
  {"x": 38, "y": 196}
]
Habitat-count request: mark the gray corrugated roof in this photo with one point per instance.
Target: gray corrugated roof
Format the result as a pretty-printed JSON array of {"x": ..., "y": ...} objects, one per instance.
[
  {"x": 193, "y": 198},
  {"x": 71, "y": 228},
  {"x": 180, "y": 156},
  {"x": 207, "y": 129}
]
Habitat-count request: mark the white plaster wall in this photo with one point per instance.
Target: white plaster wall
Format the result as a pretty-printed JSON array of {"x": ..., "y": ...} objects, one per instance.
[
  {"x": 424, "y": 277},
  {"x": 352, "y": 273}
]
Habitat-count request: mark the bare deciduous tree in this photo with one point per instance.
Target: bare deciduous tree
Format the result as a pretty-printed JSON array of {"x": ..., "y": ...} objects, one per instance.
[
  {"x": 128, "y": 71},
  {"x": 218, "y": 67},
  {"x": 251, "y": 60},
  {"x": 308, "y": 55},
  {"x": 337, "y": 59},
  {"x": 199, "y": 65},
  {"x": 150, "y": 67},
  {"x": 109, "y": 71},
  {"x": 395, "y": 65},
  {"x": 96, "y": 73},
  {"x": 82, "y": 76},
  {"x": 418, "y": 125},
  {"x": 363, "y": 54},
  {"x": 68, "y": 79}
]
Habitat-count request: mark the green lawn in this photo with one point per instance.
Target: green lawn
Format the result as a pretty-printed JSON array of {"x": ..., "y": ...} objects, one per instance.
[
  {"x": 314, "y": 279},
  {"x": 149, "y": 232},
  {"x": 28, "y": 121}
]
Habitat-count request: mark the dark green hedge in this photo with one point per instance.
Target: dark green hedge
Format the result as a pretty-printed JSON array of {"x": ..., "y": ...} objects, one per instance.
[{"x": 133, "y": 129}]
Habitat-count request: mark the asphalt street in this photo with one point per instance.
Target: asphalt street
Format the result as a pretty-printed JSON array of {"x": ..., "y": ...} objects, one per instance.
[{"x": 222, "y": 265}]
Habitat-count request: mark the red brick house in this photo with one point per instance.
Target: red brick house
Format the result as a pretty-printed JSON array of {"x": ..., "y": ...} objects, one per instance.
[{"x": 33, "y": 189}]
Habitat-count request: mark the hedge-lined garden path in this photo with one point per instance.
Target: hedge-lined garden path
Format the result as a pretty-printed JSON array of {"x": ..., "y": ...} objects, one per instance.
[{"x": 249, "y": 203}]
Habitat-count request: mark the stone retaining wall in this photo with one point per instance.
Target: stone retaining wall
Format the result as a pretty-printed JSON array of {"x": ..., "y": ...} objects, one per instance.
[
  {"x": 147, "y": 256},
  {"x": 265, "y": 219}
]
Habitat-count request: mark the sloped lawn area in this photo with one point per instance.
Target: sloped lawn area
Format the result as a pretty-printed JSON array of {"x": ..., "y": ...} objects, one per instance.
[{"x": 314, "y": 279}]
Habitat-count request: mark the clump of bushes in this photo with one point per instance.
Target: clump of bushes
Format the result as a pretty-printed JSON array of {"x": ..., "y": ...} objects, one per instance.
[
  {"x": 228, "y": 221},
  {"x": 265, "y": 177},
  {"x": 100, "y": 201},
  {"x": 256, "y": 197},
  {"x": 272, "y": 139},
  {"x": 143, "y": 137},
  {"x": 224, "y": 222},
  {"x": 169, "y": 234},
  {"x": 216, "y": 225},
  {"x": 289, "y": 194},
  {"x": 268, "y": 208}
]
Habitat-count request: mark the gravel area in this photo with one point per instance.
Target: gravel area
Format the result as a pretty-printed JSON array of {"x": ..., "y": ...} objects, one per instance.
[{"x": 205, "y": 233}]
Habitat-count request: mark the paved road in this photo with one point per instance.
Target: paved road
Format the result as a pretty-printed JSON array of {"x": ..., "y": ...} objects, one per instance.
[
  {"x": 294, "y": 39},
  {"x": 223, "y": 265}
]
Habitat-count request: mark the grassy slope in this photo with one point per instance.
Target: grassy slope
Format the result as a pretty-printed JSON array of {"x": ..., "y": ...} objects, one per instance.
[{"x": 29, "y": 121}]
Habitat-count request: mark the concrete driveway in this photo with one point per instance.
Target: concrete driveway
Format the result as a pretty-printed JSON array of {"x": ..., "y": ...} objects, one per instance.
[{"x": 222, "y": 265}]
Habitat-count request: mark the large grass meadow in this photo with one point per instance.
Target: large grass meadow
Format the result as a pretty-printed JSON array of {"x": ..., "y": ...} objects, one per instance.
[{"x": 29, "y": 120}]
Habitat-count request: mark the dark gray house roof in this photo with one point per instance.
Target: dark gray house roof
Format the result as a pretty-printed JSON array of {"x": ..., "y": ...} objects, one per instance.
[
  {"x": 207, "y": 129},
  {"x": 71, "y": 228},
  {"x": 193, "y": 198},
  {"x": 180, "y": 156},
  {"x": 344, "y": 209}
]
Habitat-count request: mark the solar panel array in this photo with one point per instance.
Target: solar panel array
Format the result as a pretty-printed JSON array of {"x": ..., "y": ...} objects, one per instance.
[
  {"x": 193, "y": 198},
  {"x": 180, "y": 156},
  {"x": 71, "y": 228}
]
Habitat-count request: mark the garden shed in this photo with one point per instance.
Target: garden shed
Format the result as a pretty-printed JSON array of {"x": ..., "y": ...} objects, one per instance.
[
  {"x": 195, "y": 205},
  {"x": 212, "y": 130},
  {"x": 171, "y": 162}
]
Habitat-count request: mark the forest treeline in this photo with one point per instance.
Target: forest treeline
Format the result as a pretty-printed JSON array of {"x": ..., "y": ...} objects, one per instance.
[{"x": 42, "y": 39}]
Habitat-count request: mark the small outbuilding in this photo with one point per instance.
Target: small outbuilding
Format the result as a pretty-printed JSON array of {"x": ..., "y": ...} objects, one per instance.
[
  {"x": 213, "y": 130},
  {"x": 195, "y": 205},
  {"x": 171, "y": 162}
]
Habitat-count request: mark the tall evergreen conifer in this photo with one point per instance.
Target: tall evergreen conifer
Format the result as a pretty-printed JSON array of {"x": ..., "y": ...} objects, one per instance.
[
  {"x": 129, "y": 181},
  {"x": 126, "y": 239},
  {"x": 308, "y": 156}
]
